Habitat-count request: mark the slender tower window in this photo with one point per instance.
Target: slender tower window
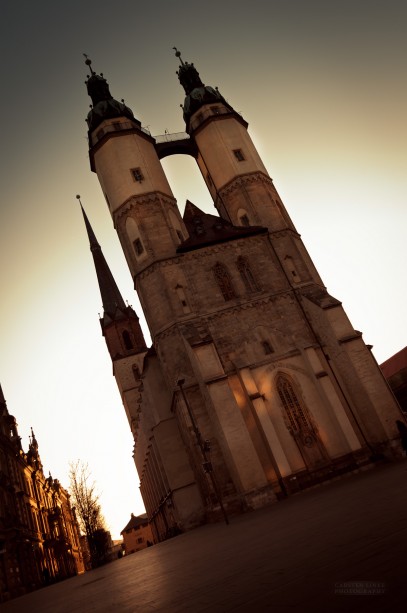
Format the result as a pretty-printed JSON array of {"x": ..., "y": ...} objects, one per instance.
[
  {"x": 138, "y": 246},
  {"x": 267, "y": 347},
  {"x": 137, "y": 174},
  {"x": 239, "y": 155},
  {"x": 224, "y": 281},
  {"x": 247, "y": 275},
  {"x": 127, "y": 340}
]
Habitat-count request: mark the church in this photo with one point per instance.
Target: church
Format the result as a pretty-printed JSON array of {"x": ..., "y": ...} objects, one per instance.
[{"x": 256, "y": 385}]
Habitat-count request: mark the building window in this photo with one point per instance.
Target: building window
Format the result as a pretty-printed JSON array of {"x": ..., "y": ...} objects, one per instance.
[
  {"x": 127, "y": 339},
  {"x": 292, "y": 269},
  {"x": 295, "y": 411},
  {"x": 117, "y": 125},
  {"x": 267, "y": 347},
  {"x": 137, "y": 174},
  {"x": 247, "y": 275},
  {"x": 216, "y": 110},
  {"x": 140, "y": 539},
  {"x": 224, "y": 281},
  {"x": 244, "y": 220},
  {"x": 239, "y": 155},
  {"x": 138, "y": 246}
]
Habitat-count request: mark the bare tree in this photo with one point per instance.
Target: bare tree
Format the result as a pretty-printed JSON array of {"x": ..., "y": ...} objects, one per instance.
[{"x": 85, "y": 499}]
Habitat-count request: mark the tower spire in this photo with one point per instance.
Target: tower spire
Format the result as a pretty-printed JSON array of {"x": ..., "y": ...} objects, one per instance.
[
  {"x": 197, "y": 93},
  {"x": 103, "y": 106},
  {"x": 111, "y": 296}
]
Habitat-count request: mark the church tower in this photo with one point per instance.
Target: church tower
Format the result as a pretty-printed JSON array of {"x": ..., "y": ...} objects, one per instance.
[{"x": 256, "y": 384}]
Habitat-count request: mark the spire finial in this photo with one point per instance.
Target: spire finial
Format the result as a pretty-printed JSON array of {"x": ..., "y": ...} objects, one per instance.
[
  {"x": 88, "y": 62},
  {"x": 178, "y": 54}
]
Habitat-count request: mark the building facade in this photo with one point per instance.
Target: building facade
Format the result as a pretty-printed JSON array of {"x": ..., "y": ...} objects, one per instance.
[
  {"x": 137, "y": 534},
  {"x": 256, "y": 383},
  {"x": 39, "y": 536}
]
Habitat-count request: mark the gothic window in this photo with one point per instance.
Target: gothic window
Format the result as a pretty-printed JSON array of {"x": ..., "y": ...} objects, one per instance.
[
  {"x": 239, "y": 155},
  {"x": 137, "y": 174},
  {"x": 224, "y": 281},
  {"x": 136, "y": 372},
  {"x": 247, "y": 275},
  {"x": 127, "y": 339},
  {"x": 295, "y": 411}
]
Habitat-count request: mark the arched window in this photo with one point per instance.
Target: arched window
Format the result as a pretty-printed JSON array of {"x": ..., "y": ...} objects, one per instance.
[
  {"x": 224, "y": 281},
  {"x": 247, "y": 275},
  {"x": 296, "y": 412},
  {"x": 127, "y": 339}
]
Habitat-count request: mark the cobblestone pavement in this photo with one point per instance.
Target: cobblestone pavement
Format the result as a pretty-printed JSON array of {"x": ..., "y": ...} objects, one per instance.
[{"x": 338, "y": 547}]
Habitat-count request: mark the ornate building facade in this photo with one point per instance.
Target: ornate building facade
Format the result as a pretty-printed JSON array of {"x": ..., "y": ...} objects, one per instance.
[
  {"x": 256, "y": 383},
  {"x": 39, "y": 536}
]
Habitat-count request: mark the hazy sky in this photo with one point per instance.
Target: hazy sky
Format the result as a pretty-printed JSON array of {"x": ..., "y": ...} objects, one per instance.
[{"x": 323, "y": 87}]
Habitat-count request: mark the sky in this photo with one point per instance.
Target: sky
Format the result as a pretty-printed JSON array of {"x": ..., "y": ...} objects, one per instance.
[{"x": 323, "y": 87}]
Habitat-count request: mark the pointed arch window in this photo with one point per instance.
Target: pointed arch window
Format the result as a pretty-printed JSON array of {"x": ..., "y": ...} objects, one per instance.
[
  {"x": 247, "y": 275},
  {"x": 128, "y": 343},
  {"x": 224, "y": 281},
  {"x": 294, "y": 408}
]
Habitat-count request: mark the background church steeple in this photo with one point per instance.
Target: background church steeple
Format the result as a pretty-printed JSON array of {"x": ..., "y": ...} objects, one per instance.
[{"x": 120, "y": 324}]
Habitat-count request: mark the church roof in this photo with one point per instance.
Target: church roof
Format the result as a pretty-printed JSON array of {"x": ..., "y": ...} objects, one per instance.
[
  {"x": 205, "y": 229},
  {"x": 135, "y": 521}
]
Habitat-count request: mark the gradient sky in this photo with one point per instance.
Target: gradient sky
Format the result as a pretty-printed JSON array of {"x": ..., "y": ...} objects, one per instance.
[{"x": 323, "y": 87}]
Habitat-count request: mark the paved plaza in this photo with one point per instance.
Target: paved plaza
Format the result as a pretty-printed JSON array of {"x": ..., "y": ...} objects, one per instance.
[{"x": 338, "y": 547}]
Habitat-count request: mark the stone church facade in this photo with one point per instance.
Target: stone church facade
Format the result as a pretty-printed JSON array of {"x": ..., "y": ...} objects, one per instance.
[{"x": 256, "y": 383}]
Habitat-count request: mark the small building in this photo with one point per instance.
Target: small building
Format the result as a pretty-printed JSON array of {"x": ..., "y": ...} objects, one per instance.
[
  {"x": 395, "y": 372},
  {"x": 137, "y": 534}
]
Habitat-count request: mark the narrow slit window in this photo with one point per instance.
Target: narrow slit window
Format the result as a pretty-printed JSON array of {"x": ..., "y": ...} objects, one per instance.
[
  {"x": 138, "y": 246},
  {"x": 267, "y": 347},
  {"x": 239, "y": 155},
  {"x": 127, "y": 339}
]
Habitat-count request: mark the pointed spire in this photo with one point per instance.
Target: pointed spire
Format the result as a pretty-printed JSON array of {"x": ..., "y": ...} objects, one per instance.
[
  {"x": 111, "y": 296},
  {"x": 3, "y": 404},
  {"x": 34, "y": 442}
]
